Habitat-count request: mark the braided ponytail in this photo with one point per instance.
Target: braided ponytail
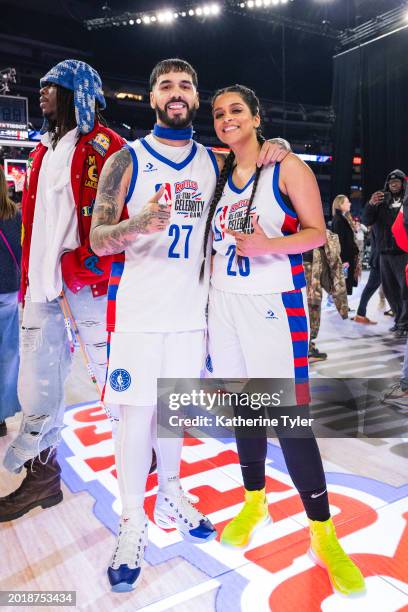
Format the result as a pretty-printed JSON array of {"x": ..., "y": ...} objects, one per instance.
[
  {"x": 258, "y": 171},
  {"x": 222, "y": 179}
]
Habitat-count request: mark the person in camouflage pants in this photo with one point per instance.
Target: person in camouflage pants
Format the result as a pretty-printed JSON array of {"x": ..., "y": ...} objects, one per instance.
[{"x": 324, "y": 270}]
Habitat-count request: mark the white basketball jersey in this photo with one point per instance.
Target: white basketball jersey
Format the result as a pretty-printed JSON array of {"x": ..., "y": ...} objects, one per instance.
[
  {"x": 262, "y": 274},
  {"x": 154, "y": 284}
]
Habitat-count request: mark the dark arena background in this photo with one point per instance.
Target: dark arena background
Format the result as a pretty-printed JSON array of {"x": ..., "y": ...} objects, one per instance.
[{"x": 332, "y": 79}]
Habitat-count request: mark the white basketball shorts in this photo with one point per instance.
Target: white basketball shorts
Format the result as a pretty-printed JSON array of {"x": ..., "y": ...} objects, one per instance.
[{"x": 137, "y": 360}]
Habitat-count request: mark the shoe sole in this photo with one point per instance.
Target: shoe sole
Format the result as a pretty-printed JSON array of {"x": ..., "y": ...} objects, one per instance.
[
  {"x": 122, "y": 587},
  {"x": 48, "y": 502},
  {"x": 320, "y": 563},
  {"x": 161, "y": 522},
  {"x": 395, "y": 403},
  {"x": 365, "y": 322},
  {"x": 257, "y": 527}
]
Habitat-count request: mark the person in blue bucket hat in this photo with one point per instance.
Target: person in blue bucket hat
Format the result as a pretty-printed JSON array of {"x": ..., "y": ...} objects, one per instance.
[{"x": 59, "y": 273}]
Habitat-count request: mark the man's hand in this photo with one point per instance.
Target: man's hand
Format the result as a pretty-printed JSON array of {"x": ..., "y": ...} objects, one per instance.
[
  {"x": 252, "y": 245},
  {"x": 153, "y": 217},
  {"x": 376, "y": 198},
  {"x": 273, "y": 151}
]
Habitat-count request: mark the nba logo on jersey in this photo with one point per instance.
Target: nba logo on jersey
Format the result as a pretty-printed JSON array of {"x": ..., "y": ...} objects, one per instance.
[
  {"x": 219, "y": 223},
  {"x": 166, "y": 197}
]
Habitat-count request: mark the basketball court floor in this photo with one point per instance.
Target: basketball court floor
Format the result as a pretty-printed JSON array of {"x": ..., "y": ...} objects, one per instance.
[{"x": 68, "y": 547}]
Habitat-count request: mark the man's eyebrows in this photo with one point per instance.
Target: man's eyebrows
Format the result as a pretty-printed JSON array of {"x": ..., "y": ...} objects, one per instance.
[{"x": 167, "y": 81}]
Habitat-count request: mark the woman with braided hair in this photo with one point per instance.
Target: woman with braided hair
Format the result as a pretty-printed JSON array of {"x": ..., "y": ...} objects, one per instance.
[{"x": 262, "y": 219}]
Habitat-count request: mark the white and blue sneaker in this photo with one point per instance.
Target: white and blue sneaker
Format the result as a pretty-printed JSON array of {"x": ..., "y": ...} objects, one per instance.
[
  {"x": 128, "y": 555},
  {"x": 176, "y": 510}
]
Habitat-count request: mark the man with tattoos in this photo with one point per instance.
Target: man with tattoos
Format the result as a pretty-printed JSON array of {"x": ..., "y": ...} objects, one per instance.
[
  {"x": 150, "y": 213},
  {"x": 60, "y": 190}
]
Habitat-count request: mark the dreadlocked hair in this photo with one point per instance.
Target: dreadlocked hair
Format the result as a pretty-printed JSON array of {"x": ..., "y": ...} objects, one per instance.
[
  {"x": 251, "y": 100},
  {"x": 65, "y": 120}
]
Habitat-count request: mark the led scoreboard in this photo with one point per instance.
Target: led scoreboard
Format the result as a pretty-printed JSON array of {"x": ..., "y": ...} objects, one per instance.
[{"x": 13, "y": 118}]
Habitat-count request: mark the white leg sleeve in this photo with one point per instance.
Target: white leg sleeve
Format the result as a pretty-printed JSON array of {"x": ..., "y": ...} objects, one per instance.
[
  {"x": 168, "y": 453},
  {"x": 133, "y": 452}
]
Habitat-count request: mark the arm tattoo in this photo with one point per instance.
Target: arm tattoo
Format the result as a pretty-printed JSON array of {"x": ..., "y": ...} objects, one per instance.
[
  {"x": 108, "y": 235},
  {"x": 109, "y": 203}
]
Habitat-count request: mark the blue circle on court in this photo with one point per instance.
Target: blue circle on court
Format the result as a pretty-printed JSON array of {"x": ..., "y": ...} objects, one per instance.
[{"x": 120, "y": 380}]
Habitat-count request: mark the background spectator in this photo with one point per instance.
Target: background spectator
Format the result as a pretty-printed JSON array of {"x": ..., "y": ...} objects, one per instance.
[
  {"x": 343, "y": 226},
  {"x": 381, "y": 211},
  {"x": 373, "y": 282},
  {"x": 324, "y": 270},
  {"x": 10, "y": 257}
]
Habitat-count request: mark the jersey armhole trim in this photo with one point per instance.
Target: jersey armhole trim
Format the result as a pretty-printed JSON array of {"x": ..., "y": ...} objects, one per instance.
[
  {"x": 214, "y": 161},
  {"x": 134, "y": 172},
  {"x": 278, "y": 195}
]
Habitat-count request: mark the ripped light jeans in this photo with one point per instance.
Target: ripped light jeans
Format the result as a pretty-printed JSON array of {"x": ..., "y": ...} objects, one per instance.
[{"x": 45, "y": 362}]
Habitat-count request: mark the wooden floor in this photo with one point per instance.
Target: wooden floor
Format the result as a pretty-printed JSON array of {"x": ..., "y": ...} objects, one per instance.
[{"x": 69, "y": 546}]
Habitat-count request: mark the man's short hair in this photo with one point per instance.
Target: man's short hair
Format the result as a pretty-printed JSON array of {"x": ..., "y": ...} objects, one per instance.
[{"x": 172, "y": 65}]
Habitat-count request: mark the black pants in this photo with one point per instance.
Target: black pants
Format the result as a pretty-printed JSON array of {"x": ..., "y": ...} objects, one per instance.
[
  {"x": 373, "y": 283},
  {"x": 395, "y": 287},
  {"x": 302, "y": 458}
]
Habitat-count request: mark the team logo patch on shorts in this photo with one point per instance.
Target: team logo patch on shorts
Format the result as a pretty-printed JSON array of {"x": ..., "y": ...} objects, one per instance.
[
  {"x": 208, "y": 364},
  {"x": 271, "y": 315},
  {"x": 120, "y": 380}
]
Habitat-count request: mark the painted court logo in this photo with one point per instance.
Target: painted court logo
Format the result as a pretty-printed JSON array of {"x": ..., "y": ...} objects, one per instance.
[
  {"x": 120, "y": 380},
  {"x": 274, "y": 569}
]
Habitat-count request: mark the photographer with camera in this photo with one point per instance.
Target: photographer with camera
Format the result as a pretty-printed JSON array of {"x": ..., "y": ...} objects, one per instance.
[
  {"x": 398, "y": 394},
  {"x": 381, "y": 211}
]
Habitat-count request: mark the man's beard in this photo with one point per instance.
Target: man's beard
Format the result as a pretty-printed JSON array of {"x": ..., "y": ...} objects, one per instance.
[{"x": 178, "y": 123}]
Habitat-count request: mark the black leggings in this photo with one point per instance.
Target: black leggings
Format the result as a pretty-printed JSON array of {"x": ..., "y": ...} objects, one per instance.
[{"x": 303, "y": 460}]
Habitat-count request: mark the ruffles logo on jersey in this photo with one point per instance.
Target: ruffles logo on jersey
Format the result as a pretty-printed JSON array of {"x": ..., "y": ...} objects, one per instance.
[
  {"x": 187, "y": 199},
  {"x": 237, "y": 216}
]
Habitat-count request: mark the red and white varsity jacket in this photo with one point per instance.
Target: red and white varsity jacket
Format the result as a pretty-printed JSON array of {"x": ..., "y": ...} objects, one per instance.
[{"x": 79, "y": 267}]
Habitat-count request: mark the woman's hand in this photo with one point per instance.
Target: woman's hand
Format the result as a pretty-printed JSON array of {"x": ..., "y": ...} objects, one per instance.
[{"x": 252, "y": 245}]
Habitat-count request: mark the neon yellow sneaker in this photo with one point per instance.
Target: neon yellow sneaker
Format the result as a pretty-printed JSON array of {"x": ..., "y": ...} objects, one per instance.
[
  {"x": 325, "y": 550},
  {"x": 253, "y": 515}
]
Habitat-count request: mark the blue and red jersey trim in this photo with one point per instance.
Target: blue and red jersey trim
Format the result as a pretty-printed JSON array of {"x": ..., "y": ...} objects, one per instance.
[{"x": 299, "y": 331}]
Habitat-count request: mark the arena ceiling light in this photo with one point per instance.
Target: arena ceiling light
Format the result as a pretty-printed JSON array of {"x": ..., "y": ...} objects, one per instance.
[
  {"x": 259, "y": 4},
  {"x": 164, "y": 16},
  {"x": 266, "y": 11}
]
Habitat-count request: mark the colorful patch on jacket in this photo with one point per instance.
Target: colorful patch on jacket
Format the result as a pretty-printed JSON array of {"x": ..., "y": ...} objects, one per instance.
[
  {"x": 86, "y": 211},
  {"x": 28, "y": 171},
  {"x": 92, "y": 177},
  {"x": 100, "y": 143}
]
